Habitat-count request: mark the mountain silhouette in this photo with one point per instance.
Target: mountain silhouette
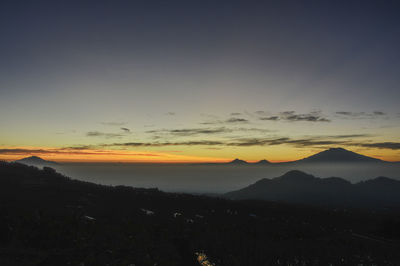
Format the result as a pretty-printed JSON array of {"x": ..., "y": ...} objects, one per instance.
[
  {"x": 338, "y": 155},
  {"x": 238, "y": 162},
  {"x": 36, "y": 161},
  {"x": 299, "y": 187},
  {"x": 263, "y": 162},
  {"x": 332, "y": 155}
]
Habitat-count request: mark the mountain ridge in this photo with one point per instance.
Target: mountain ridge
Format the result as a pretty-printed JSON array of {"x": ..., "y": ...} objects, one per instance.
[
  {"x": 299, "y": 187},
  {"x": 331, "y": 155}
]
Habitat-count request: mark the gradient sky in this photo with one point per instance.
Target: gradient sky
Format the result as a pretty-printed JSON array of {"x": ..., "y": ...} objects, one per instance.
[{"x": 198, "y": 80}]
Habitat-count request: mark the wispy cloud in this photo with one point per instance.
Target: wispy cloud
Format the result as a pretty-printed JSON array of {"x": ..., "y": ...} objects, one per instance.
[
  {"x": 382, "y": 145},
  {"x": 292, "y": 116},
  {"x": 339, "y": 140},
  {"x": 252, "y": 129},
  {"x": 232, "y": 120},
  {"x": 103, "y": 134},
  {"x": 379, "y": 113},
  {"x": 248, "y": 142},
  {"x": 79, "y": 147},
  {"x": 359, "y": 115},
  {"x": 161, "y": 144},
  {"x": 205, "y": 131},
  {"x": 117, "y": 124},
  {"x": 63, "y": 151},
  {"x": 348, "y": 136},
  {"x": 191, "y": 131},
  {"x": 270, "y": 118},
  {"x": 263, "y": 113},
  {"x": 125, "y": 132},
  {"x": 306, "y": 117},
  {"x": 236, "y": 120}
]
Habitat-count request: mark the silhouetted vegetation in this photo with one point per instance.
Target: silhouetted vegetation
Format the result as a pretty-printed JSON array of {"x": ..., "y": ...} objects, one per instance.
[{"x": 49, "y": 219}]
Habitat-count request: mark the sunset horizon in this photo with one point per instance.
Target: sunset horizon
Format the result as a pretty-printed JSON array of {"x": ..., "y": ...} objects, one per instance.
[
  {"x": 199, "y": 133},
  {"x": 117, "y": 156}
]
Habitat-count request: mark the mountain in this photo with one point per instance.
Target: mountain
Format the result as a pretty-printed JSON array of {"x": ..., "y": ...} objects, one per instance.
[
  {"x": 338, "y": 155},
  {"x": 238, "y": 162},
  {"x": 36, "y": 161},
  {"x": 299, "y": 187},
  {"x": 332, "y": 155},
  {"x": 263, "y": 162}
]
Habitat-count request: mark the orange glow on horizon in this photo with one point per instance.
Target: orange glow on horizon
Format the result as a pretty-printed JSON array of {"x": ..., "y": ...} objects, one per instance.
[
  {"x": 68, "y": 155},
  {"x": 129, "y": 156}
]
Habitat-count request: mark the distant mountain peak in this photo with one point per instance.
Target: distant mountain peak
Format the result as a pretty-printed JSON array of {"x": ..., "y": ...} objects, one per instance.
[
  {"x": 238, "y": 161},
  {"x": 339, "y": 155},
  {"x": 35, "y": 160},
  {"x": 263, "y": 162}
]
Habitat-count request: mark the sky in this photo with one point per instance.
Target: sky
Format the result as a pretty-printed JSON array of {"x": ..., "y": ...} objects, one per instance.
[{"x": 195, "y": 81}]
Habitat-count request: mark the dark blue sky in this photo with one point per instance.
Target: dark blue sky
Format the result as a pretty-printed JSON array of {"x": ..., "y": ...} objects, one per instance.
[{"x": 133, "y": 61}]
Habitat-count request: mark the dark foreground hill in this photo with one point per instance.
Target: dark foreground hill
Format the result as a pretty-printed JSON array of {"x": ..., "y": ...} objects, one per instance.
[
  {"x": 299, "y": 187},
  {"x": 49, "y": 219}
]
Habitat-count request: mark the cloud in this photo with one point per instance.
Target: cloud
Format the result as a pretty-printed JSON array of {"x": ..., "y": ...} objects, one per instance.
[
  {"x": 379, "y": 113},
  {"x": 191, "y": 131},
  {"x": 211, "y": 123},
  {"x": 170, "y": 113},
  {"x": 66, "y": 152},
  {"x": 310, "y": 117},
  {"x": 280, "y": 141},
  {"x": 254, "y": 129},
  {"x": 348, "y": 136},
  {"x": 232, "y": 120},
  {"x": 360, "y": 115},
  {"x": 287, "y": 113},
  {"x": 306, "y": 117},
  {"x": 261, "y": 112},
  {"x": 22, "y": 151},
  {"x": 346, "y": 113},
  {"x": 118, "y": 124},
  {"x": 382, "y": 145},
  {"x": 314, "y": 142},
  {"x": 236, "y": 114},
  {"x": 161, "y": 144},
  {"x": 291, "y": 116},
  {"x": 271, "y": 118},
  {"x": 247, "y": 142},
  {"x": 78, "y": 147},
  {"x": 204, "y": 131},
  {"x": 318, "y": 141},
  {"x": 102, "y": 134},
  {"x": 236, "y": 120}
]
